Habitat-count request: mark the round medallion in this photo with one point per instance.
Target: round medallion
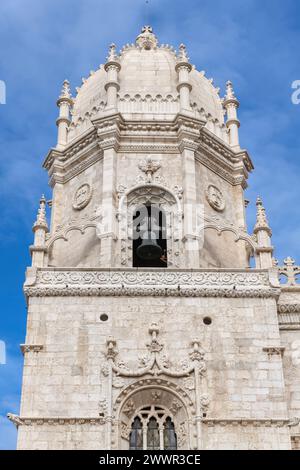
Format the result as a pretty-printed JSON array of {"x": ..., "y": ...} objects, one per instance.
[
  {"x": 215, "y": 198},
  {"x": 82, "y": 196}
]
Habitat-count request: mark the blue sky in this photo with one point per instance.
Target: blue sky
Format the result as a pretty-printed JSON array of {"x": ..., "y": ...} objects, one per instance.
[{"x": 251, "y": 42}]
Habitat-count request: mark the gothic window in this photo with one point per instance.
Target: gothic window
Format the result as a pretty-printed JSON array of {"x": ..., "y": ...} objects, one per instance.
[
  {"x": 149, "y": 237},
  {"x": 153, "y": 429}
]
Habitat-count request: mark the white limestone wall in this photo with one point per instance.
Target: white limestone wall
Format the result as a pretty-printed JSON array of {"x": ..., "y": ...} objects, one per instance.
[
  {"x": 290, "y": 339},
  {"x": 73, "y": 235},
  {"x": 64, "y": 380}
]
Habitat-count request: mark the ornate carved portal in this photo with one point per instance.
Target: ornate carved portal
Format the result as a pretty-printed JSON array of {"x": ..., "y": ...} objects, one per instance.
[{"x": 171, "y": 394}]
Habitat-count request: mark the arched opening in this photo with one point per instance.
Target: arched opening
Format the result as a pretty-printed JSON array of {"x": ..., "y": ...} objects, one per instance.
[
  {"x": 152, "y": 429},
  {"x": 149, "y": 237}
]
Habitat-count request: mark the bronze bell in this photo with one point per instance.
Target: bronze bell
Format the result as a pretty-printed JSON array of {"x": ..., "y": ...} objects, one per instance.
[{"x": 149, "y": 249}]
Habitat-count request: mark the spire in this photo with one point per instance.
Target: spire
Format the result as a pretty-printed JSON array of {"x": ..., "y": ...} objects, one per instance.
[
  {"x": 231, "y": 105},
  {"x": 182, "y": 54},
  {"x": 40, "y": 228},
  {"x": 263, "y": 233},
  {"x": 112, "y": 54},
  {"x": 64, "y": 103},
  {"x": 112, "y": 67},
  {"x": 261, "y": 218},
  {"x": 41, "y": 221},
  {"x": 183, "y": 68},
  {"x": 147, "y": 39},
  {"x": 66, "y": 91},
  {"x": 230, "y": 95}
]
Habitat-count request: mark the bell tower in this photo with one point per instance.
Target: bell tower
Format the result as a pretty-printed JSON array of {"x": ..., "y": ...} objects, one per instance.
[{"x": 147, "y": 328}]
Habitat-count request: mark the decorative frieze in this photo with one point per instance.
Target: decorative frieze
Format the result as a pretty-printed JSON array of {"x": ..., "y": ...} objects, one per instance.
[{"x": 103, "y": 282}]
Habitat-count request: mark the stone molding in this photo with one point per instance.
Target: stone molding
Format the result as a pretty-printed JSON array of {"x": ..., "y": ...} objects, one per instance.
[
  {"x": 130, "y": 136},
  {"x": 288, "y": 308},
  {"x": 135, "y": 282},
  {"x": 31, "y": 421},
  {"x": 289, "y": 320},
  {"x": 246, "y": 422}
]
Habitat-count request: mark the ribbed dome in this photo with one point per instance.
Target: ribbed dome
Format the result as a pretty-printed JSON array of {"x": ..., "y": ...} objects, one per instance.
[{"x": 148, "y": 85}]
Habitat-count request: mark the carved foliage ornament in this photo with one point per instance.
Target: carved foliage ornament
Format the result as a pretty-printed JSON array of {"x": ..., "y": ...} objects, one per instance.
[
  {"x": 215, "y": 198},
  {"x": 82, "y": 196}
]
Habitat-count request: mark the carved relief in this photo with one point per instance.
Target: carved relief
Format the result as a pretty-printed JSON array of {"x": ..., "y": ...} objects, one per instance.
[
  {"x": 148, "y": 386},
  {"x": 82, "y": 196},
  {"x": 103, "y": 408},
  {"x": 122, "y": 283},
  {"x": 215, "y": 198}
]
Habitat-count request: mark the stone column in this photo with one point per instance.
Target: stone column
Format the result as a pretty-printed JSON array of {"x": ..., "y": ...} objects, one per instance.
[
  {"x": 112, "y": 86},
  {"x": 239, "y": 204},
  {"x": 263, "y": 234},
  {"x": 231, "y": 105},
  {"x": 108, "y": 132},
  {"x": 190, "y": 235},
  {"x": 183, "y": 68},
  {"x": 64, "y": 103},
  {"x": 40, "y": 228}
]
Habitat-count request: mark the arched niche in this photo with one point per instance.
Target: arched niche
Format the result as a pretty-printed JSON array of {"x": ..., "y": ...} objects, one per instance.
[{"x": 161, "y": 197}]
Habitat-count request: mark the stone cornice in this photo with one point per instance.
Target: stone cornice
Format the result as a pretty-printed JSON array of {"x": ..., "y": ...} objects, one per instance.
[
  {"x": 246, "y": 422},
  {"x": 40, "y": 421},
  {"x": 63, "y": 165},
  {"x": 221, "y": 159},
  {"x": 150, "y": 136},
  {"x": 136, "y": 282}
]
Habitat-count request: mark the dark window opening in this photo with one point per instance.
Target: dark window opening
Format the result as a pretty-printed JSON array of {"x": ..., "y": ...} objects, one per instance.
[
  {"x": 149, "y": 237},
  {"x": 136, "y": 435},
  {"x": 153, "y": 435},
  {"x": 170, "y": 438}
]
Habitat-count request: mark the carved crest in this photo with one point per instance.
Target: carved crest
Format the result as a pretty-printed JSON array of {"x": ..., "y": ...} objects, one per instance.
[{"x": 82, "y": 196}]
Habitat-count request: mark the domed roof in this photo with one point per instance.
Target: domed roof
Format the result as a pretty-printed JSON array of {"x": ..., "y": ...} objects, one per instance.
[{"x": 148, "y": 85}]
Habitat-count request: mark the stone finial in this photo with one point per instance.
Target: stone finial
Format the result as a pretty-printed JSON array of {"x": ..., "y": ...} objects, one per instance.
[
  {"x": 261, "y": 218},
  {"x": 65, "y": 91},
  {"x": 182, "y": 54},
  {"x": 147, "y": 39},
  {"x": 41, "y": 221},
  {"x": 289, "y": 261},
  {"x": 112, "y": 54},
  {"x": 229, "y": 91}
]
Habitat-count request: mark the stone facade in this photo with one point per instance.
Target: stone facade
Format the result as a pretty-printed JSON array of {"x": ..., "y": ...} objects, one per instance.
[{"x": 208, "y": 343}]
